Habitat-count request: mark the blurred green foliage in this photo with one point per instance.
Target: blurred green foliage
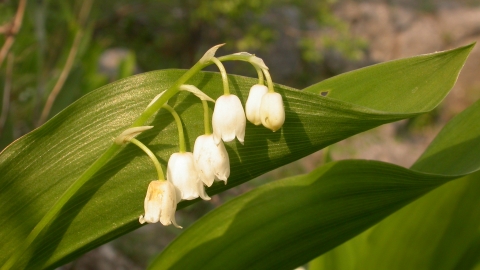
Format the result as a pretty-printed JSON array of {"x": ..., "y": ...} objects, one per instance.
[
  {"x": 149, "y": 35},
  {"x": 125, "y": 37}
]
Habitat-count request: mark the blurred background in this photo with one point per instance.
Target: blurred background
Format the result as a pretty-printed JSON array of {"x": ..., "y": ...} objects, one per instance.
[{"x": 53, "y": 52}]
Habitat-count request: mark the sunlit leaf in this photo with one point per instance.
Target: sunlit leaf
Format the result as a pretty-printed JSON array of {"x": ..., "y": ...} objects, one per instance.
[
  {"x": 289, "y": 222},
  {"x": 440, "y": 230},
  {"x": 36, "y": 169},
  {"x": 391, "y": 85}
]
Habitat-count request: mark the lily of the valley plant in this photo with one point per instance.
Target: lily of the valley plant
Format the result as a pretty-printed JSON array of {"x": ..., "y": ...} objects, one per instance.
[
  {"x": 51, "y": 214},
  {"x": 188, "y": 173}
]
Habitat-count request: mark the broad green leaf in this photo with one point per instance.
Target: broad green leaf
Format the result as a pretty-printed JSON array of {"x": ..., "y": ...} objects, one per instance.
[
  {"x": 439, "y": 230},
  {"x": 470, "y": 258},
  {"x": 435, "y": 232},
  {"x": 36, "y": 169},
  {"x": 287, "y": 223},
  {"x": 405, "y": 85}
]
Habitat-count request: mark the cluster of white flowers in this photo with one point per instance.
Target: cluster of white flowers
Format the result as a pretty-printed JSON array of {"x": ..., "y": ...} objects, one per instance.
[
  {"x": 265, "y": 108},
  {"x": 188, "y": 173}
]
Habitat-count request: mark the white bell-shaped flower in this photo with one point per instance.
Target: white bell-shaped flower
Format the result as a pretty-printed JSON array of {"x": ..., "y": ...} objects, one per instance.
[
  {"x": 183, "y": 174},
  {"x": 228, "y": 119},
  {"x": 211, "y": 160},
  {"x": 160, "y": 204},
  {"x": 252, "y": 107},
  {"x": 272, "y": 112}
]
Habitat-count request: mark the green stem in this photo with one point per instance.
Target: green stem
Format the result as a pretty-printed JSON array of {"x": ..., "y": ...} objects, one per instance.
[
  {"x": 269, "y": 81},
  {"x": 151, "y": 156},
  {"x": 168, "y": 94},
  {"x": 106, "y": 156},
  {"x": 235, "y": 57},
  {"x": 226, "y": 89},
  {"x": 181, "y": 136},
  {"x": 206, "y": 118},
  {"x": 245, "y": 58},
  {"x": 260, "y": 74}
]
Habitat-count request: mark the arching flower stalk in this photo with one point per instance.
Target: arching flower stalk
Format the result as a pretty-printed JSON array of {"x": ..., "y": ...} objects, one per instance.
[
  {"x": 263, "y": 105},
  {"x": 211, "y": 159},
  {"x": 161, "y": 199},
  {"x": 181, "y": 169},
  {"x": 228, "y": 119},
  {"x": 272, "y": 111}
]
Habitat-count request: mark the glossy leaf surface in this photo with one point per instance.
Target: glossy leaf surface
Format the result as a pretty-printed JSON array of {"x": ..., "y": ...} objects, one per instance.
[
  {"x": 440, "y": 230},
  {"x": 36, "y": 169},
  {"x": 289, "y": 222}
]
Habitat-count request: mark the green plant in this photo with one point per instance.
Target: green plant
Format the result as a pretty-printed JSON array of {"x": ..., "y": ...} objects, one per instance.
[{"x": 319, "y": 211}]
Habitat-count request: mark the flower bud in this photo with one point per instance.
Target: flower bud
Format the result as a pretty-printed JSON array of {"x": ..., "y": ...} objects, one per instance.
[
  {"x": 252, "y": 107},
  {"x": 228, "y": 119},
  {"x": 183, "y": 174},
  {"x": 160, "y": 204},
  {"x": 211, "y": 160},
  {"x": 272, "y": 112}
]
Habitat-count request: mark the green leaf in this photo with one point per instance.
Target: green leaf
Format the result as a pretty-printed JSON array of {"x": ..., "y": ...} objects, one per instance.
[
  {"x": 470, "y": 258},
  {"x": 406, "y": 85},
  {"x": 287, "y": 223},
  {"x": 435, "y": 232},
  {"x": 36, "y": 169},
  {"x": 439, "y": 230}
]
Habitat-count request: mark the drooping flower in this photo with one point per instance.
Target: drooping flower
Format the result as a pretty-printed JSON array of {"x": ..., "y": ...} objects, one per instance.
[
  {"x": 252, "y": 107},
  {"x": 183, "y": 174},
  {"x": 211, "y": 160},
  {"x": 160, "y": 204},
  {"x": 228, "y": 119},
  {"x": 272, "y": 112}
]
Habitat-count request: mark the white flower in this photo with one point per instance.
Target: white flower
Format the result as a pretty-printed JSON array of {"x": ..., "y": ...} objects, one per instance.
[
  {"x": 160, "y": 204},
  {"x": 228, "y": 119},
  {"x": 272, "y": 112},
  {"x": 211, "y": 160},
  {"x": 252, "y": 107},
  {"x": 183, "y": 174}
]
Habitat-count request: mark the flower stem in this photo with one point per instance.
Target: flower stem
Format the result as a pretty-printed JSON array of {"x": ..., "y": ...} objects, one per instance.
[
  {"x": 220, "y": 66},
  {"x": 269, "y": 81},
  {"x": 181, "y": 135},
  {"x": 168, "y": 94},
  {"x": 206, "y": 118},
  {"x": 151, "y": 156},
  {"x": 260, "y": 74},
  {"x": 248, "y": 58}
]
